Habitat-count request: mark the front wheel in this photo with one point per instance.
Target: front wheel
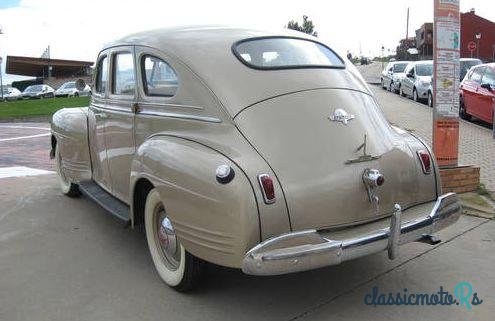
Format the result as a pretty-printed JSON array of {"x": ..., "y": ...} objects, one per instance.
[
  {"x": 176, "y": 267},
  {"x": 462, "y": 111},
  {"x": 68, "y": 188}
]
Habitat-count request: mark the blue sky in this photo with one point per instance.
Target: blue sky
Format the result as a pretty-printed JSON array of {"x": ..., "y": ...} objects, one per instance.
[{"x": 9, "y": 3}]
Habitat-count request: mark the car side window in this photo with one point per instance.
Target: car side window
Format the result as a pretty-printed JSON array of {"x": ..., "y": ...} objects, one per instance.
[
  {"x": 159, "y": 78},
  {"x": 477, "y": 74},
  {"x": 489, "y": 77},
  {"x": 101, "y": 75},
  {"x": 124, "y": 82}
]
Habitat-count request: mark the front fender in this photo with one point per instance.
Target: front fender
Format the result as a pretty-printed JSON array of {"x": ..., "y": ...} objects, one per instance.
[
  {"x": 216, "y": 222},
  {"x": 70, "y": 129}
]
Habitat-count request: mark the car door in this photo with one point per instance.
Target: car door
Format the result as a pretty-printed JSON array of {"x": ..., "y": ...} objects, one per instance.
[
  {"x": 472, "y": 98},
  {"x": 159, "y": 106},
  {"x": 486, "y": 95},
  {"x": 119, "y": 121},
  {"x": 96, "y": 124},
  {"x": 388, "y": 75},
  {"x": 409, "y": 81}
]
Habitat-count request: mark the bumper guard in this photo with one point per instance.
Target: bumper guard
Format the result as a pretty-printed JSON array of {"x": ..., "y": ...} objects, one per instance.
[{"x": 307, "y": 250}]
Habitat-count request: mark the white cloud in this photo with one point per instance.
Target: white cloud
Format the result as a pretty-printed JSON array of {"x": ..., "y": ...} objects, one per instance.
[{"x": 77, "y": 29}]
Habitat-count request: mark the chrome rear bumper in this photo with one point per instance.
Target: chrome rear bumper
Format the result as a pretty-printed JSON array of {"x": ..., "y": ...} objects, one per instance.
[{"x": 307, "y": 250}]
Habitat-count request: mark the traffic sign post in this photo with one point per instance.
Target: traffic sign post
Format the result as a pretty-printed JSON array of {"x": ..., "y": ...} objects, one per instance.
[
  {"x": 446, "y": 82},
  {"x": 471, "y": 47}
]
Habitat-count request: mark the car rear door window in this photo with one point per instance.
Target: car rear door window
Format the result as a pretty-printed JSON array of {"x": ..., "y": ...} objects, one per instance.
[
  {"x": 489, "y": 77},
  {"x": 124, "y": 82},
  {"x": 159, "y": 78},
  {"x": 102, "y": 75}
]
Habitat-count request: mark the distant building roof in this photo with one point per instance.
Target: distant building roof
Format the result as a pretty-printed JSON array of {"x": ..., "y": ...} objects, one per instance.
[{"x": 38, "y": 67}]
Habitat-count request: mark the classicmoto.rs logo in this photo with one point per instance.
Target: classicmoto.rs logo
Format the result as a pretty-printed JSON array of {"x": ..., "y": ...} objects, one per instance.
[{"x": 463, "y": 296}]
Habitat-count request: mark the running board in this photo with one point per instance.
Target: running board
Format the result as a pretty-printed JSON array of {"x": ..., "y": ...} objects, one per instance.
[{"x": 116, "y": 207}]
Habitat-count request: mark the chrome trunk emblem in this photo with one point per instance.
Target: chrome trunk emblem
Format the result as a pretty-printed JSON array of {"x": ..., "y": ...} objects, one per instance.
[
  {"x": 341, "y": 116},
  {"x": 363, "y": 158}
]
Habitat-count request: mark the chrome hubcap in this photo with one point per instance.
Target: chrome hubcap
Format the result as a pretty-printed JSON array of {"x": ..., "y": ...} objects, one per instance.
[{"x": 166, "y": 239}]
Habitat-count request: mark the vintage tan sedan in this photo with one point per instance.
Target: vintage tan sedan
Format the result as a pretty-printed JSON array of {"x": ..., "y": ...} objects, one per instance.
[{"x": 263, "y": 151}]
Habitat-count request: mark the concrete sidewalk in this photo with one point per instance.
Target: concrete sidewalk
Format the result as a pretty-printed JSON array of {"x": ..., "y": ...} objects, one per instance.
[{"x": 476, "y": 144}]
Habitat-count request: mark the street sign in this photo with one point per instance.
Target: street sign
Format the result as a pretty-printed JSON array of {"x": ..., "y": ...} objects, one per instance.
[
  {"x": 446, "y": 82},
  {"x": 471, "y": 46}
]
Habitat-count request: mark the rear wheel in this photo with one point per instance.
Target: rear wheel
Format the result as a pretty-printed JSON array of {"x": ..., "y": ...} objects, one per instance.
[
  {"x": 430, "y": 99},
  {"x": 176, "y": 267},
  {"x": 68, "y": 188},
  {"x": 415, "y": 95},
  {"x": 76, "y": 94},
  {"x": 401, "y": 92}
]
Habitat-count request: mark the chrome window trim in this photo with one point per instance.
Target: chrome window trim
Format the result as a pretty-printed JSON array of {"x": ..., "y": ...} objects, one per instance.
[{"x": 180, "y": 116}]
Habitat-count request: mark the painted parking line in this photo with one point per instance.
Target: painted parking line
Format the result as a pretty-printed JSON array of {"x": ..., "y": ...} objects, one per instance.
[
  {"x": 24, "y": 127},
  {"x": 21, "y": 171},
  {"x": 23, "y": 137}
]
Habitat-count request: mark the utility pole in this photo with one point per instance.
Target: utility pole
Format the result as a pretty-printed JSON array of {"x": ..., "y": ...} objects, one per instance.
[
  {"x": 1, "y": 60},
  {"x": 407, "y": 25}
]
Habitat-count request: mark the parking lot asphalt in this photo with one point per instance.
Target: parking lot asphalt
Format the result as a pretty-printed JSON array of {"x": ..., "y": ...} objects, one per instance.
[{"x": 66, "y": 259}]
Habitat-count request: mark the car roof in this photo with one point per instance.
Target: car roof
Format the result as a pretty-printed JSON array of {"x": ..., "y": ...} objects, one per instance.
[
  {"x": 470, "y": 59},
  {"x": 207, "y": 52},
  {"x": 422, "y": 62},
  {"x": 490, "y": 65}
]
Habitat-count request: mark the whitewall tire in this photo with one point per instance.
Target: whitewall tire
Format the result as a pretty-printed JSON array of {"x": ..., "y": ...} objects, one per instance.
[
  {"x": 176, "y": 267},
  {"x": 66, "y": 186}
]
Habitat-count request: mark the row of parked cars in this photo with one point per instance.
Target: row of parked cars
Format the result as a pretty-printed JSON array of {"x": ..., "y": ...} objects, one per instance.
[
  {"x": 68, "y": 89},
  {"x": 414, "y": 79}
]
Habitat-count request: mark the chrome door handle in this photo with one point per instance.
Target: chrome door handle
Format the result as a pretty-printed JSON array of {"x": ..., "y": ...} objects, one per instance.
[{"x": 101, "y": 115}]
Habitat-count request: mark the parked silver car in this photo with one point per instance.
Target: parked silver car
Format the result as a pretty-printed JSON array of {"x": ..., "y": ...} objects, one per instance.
[
  {"x": 38, "y": 91},
  {"x": 11, "y": 93},
  {"x": 69, "y": 89},
  {"x": 417, "y": 80},
  {"x": 392, "y": 75}
]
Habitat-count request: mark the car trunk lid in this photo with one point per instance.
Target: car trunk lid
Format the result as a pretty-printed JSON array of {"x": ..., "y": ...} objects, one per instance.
[{"x": 315, "y": 155}]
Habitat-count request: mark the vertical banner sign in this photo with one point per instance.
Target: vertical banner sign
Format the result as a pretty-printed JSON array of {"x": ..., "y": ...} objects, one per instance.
[{"x": 446, "y": 56}]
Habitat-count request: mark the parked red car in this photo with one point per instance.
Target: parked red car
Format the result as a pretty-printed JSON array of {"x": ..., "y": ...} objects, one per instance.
[{"x": 477, "y": 92}]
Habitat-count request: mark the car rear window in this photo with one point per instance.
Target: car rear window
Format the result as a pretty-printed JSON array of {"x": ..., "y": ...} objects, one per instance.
[{"x": 285, "y": 53}]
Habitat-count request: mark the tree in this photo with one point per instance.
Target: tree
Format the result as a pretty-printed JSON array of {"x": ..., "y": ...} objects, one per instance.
[{"x": 306, "y": 27}]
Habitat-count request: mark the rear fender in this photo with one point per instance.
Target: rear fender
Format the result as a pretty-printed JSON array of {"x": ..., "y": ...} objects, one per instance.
[
  {"x": 213, "y": 221},
  {"x": 70, "y": 133}
]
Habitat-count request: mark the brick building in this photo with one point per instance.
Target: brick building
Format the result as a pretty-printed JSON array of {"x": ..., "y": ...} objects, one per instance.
[
  {"x": 471, "y": 24},
  {"x": 424, "y": 41}
]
